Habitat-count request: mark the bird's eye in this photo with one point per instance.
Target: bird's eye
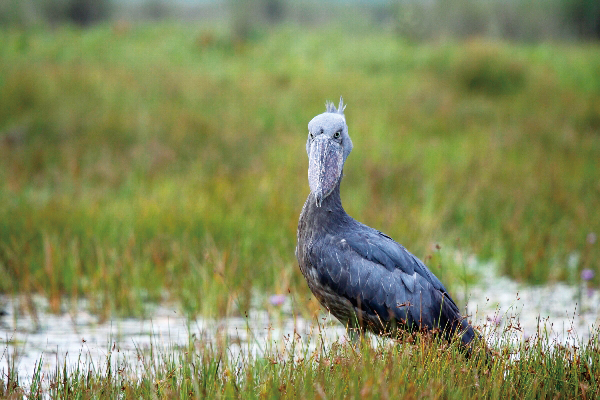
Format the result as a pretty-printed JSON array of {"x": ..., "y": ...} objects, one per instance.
[
  {"x": 311, "y": 135},
  {"x": 337, "y": 135},
  {"x": 321, "y": 131}
]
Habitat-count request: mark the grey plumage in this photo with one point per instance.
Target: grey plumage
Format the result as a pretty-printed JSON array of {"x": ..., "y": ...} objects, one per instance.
[
  {"x": 362, "y": 276},
  {"x": 330, "y": 107}
]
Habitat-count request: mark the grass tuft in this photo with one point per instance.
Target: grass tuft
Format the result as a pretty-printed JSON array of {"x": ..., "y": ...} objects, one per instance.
[{"x": 412, "y": 365}]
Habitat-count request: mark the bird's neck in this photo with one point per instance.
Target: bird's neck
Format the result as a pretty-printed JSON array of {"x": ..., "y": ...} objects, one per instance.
[
  {"x": 333, "y": 202},
  {"x": 329, "y": 213}
]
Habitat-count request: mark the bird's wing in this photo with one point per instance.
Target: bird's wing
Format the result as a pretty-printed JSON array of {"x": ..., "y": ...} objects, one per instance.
[
  {"x": 382, "y": 249},
  {"x": 381, "y": 277}
]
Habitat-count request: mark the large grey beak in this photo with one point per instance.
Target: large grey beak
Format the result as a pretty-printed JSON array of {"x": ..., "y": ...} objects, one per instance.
[{"x": 325, "y": 163}]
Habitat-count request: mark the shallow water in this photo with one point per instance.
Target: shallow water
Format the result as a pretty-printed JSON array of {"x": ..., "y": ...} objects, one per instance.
[
  {"x": 500, "y": 307},
  {"x": 80, "y": 339}
]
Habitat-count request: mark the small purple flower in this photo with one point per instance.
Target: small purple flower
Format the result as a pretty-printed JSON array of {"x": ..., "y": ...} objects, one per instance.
[
  {"x": 587, "y": 274},
  {"x": 496, "y": 319},
  {"x": 277, "y": 299},
  {"x": 591, "y": 238}
]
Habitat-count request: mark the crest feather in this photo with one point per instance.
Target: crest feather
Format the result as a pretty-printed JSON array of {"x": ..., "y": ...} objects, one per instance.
[{"x": 330, "y": 107}]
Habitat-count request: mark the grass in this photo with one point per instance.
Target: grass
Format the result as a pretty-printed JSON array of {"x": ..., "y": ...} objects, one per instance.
[
  {"x": 412, "y": 366},
  {"x": 146, "y": 163}
]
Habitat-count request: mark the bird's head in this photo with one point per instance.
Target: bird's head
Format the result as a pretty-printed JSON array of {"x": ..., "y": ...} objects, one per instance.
[{"x": 328, "y": 146}]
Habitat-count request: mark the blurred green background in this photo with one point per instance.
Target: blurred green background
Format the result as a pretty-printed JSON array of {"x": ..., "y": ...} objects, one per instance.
[{"x": 154, "y": 151}]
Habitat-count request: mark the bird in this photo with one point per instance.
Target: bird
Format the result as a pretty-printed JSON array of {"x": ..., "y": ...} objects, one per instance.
[{"x": 363, "y": 277}]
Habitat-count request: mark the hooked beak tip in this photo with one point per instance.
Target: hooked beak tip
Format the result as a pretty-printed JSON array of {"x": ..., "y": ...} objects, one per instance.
[{"x": 319, "y": 200}]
